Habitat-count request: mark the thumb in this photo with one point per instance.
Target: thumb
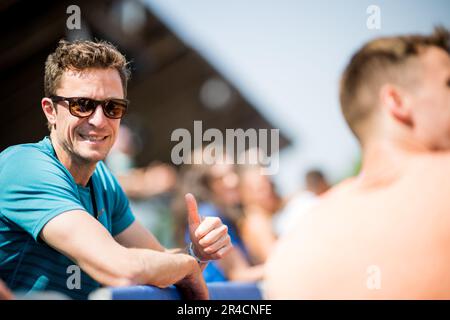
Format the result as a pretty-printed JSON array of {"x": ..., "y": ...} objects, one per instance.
[{"x": 193, "y": 216}]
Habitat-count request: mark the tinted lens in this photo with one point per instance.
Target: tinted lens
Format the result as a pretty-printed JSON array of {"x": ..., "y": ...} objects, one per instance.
[
  {"x": 115, "y": 109},
  {"x": 82, "y": 107}
]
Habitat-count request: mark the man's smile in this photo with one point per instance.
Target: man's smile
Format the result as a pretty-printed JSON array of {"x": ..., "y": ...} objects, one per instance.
[{"x": 93, "y": 138}]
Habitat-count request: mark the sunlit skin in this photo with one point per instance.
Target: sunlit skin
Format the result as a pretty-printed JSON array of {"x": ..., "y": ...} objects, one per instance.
[
  {"x": 394, "y": 215},
  {"x": 430, "y": 103},
  {"x": 80, "y": 143},
  {"x": 72, "y": 136}
]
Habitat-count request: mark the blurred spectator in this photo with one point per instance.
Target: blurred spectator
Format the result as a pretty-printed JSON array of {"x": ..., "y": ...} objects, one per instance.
[
  {"x": 143, "y": 183},
  {"x": 148, "y": 188},
  {"x": 216, "y": 189},
  {"x": 316, "y": 182},
  {"x": 299, "y": 203},
  {"x": 138, "y": 183},
  {"x": 260, "y": 202},
  {"x": 120, "y": 159},
  {"x": 5, "y": 293}
]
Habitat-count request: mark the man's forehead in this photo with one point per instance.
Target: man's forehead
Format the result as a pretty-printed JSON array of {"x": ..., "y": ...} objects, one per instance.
[
  {"x": 91, "y": 73},
  {"x": 89, "y": 81}
]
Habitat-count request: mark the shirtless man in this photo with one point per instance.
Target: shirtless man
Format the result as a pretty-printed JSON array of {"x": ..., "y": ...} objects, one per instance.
[{"x": 386, "y": 233}]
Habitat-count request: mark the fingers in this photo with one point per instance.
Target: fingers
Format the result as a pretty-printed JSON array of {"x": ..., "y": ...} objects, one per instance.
[
  {"x": 213, "y": 236},
  {"x": 219, "y": 254},
  {"x": 222, "y": 252},
  {"x": 193, "y": 285},
  {"x": 193, "y": 216},
  {"x": 217, "y": 245},
  {"x": 207, "y": 225}
]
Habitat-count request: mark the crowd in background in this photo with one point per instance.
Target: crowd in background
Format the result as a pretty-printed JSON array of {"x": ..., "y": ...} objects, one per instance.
[{"x": 244, "y": 198}]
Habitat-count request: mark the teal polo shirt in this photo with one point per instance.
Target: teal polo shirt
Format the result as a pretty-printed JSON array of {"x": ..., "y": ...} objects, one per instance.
[{"x": 34, "y": 188}]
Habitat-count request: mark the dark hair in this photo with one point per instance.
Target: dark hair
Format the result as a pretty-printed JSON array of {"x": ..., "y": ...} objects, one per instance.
[{"x": 314, "y": 176}]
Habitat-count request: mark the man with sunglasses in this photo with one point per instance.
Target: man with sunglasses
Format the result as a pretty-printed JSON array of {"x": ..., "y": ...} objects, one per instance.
[{"x": 65, "y": 223}]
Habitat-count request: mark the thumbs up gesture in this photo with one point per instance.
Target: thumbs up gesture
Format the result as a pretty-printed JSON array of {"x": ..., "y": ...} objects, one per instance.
[{"x": 209, "y": 236}]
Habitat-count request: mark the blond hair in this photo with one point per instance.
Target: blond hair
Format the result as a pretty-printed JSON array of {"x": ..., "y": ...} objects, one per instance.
[{"x": 380, "y": 61}]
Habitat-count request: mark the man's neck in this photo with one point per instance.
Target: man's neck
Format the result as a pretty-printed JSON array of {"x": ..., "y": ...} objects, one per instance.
[
  {"x": 384, "y": 161},
  {"x": 80, "y": 171}
]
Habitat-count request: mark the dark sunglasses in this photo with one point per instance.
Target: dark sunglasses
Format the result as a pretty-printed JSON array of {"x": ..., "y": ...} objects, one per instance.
[{"x": 84, "y": 107}]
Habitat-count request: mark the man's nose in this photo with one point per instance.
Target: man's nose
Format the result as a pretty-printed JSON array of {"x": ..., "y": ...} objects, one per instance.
[{"x": 98, "y": 118}]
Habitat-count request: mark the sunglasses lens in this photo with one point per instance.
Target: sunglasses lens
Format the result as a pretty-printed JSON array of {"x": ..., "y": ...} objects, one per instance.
[
  {"x": 82, "y": 107},
  {"x": 115, "y": 109}
]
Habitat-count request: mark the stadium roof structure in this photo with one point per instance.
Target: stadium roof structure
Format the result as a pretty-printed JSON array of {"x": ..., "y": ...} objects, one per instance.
[{"x": 172, "y": 85}]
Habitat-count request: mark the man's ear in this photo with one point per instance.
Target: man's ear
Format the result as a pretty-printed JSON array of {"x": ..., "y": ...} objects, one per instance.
[
  {"x": 49, "y": 110},
  {"x": 395, "y": 100}
]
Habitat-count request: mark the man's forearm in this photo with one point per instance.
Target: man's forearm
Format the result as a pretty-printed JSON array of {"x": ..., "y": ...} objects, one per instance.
[
  {"x": 162, "y": 269},
  {"x": 177, "y": 250},
  {"x": 185, "y": 251}
]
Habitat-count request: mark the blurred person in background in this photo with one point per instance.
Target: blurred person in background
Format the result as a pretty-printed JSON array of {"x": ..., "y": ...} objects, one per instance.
[
  {"x": 260, "y": 202},
  {"x": 316, "y": 182},
  {"x": 216, "y": 188},
  {"x": 149, "y": 188},
  {"x": 138, "y": 183},
  {"x": 120, "y": 159},
  {"x": 385, "y": 233},
  {"x": 298, "y": 204}
]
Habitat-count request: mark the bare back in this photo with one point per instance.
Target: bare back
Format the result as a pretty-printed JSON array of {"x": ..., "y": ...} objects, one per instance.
[{"x": 389, "y": 241}]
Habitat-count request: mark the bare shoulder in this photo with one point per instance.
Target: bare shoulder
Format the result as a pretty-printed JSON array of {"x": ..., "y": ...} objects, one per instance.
[
  {"x": 305, "y": 250},
  {"x": 330, "y": 248}
]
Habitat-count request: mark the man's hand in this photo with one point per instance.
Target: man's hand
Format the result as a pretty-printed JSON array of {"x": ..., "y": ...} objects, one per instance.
[
  {"x": 209, "y": 236},
  {"x": 193, "y": 286}
]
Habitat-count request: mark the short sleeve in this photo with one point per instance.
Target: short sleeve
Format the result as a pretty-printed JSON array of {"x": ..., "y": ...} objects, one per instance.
[{"x": 34, "y": 188}]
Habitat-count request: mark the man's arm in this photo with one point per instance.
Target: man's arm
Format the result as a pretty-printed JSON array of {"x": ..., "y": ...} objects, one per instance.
[
  {"x": 209, "y": 235},
  {"x": 83, "y": 239},
  {"x": 137, "y": 236}
]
